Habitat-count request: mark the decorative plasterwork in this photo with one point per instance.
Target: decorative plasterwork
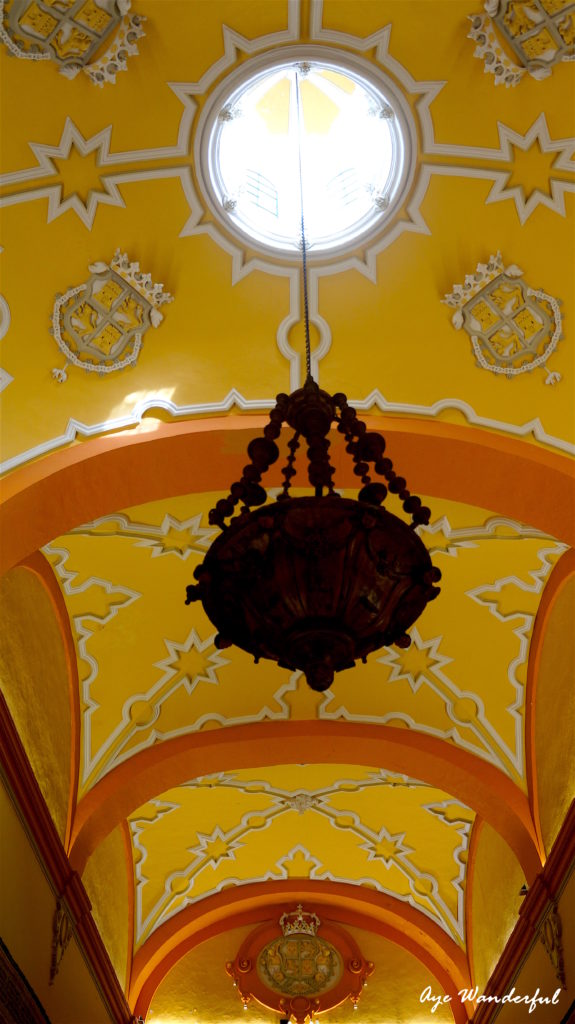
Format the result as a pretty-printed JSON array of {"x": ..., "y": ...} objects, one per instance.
[
  {"x": 86, "y": 621},
  {"x": 400, "y": 115},
  {"x": 489, "y": 50},
  {"x": 4, "y": 316},
  {"x": 299, "y": 973},
  {"x": 99, "y": 326},
  {"x": 61, "y": 935},
  {"x": 73, "y": 34},
  {"x": 420, "y": 689},
  {"x": 537, "y": 135},
  {"x": 249, "y": 847},
  {"x": 172, "y": 682},
  {"x": 189, "y": 662},
  {"x": 514, "y": 329},
  {"x": 551, "y": 935},
  {"x": 494, "y": 165},
  {"x": 172, "y": 537},
  {"x": 5, "y": 378},
  {"x": 541, "y": 34},
  {"x": 77, "y": 430},
  {"x": 442, "y": 538},
  {"x": 109, "y": 193}
]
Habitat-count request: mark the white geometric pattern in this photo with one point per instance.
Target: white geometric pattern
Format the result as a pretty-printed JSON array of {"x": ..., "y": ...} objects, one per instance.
[
  {"x": 448, "y": 159},
  {"x": 379, "y": 846},
  {"x": 146, "y": 535}
]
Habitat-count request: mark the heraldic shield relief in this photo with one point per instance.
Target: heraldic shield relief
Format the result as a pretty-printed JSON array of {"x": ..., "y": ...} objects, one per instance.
[
  {"x": 299, "y": 965},
  {"x": 91, "y": 35},
  {"x": 99, "y": 325},
  {"x": 298, "y": 973},
  {"x": 513, "y": 329},
  {"x": 539, "y": 34}
]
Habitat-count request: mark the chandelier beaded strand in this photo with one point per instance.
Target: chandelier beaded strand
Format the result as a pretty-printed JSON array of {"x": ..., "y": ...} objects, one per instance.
[
  {"x": 315, "y": 583},
  {"x": 302, "y": 227}
]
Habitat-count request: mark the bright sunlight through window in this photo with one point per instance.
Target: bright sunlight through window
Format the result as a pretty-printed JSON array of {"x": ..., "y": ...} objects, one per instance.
[{"x": 339, "y": 128}]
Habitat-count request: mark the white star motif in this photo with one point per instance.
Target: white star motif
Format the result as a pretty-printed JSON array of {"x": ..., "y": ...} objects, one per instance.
[
  {"x": 72, "y": 137},
  {"x": 385, "y": 837},
  {"x": 211, "y": 662},
  {"x": 394, "y": 659},
  {"x": 565, "y": 148},
  {"x": 202, "y": 534},
  {"x": 45, "y": 156},
  {"x": 442, "y": 526},
  {"x": 224, "y": 847}
]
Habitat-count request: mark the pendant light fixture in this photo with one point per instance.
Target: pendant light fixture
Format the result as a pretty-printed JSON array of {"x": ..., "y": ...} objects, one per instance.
[{"x": 317, "y": 582}]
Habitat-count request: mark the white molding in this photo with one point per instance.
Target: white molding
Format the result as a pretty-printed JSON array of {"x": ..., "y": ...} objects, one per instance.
[
  {"x": 235, "y": 44},
  {"x": 77, "y": 430},
  {"x": 146, "y": 535},
  {"x": 4, "y": 317},
  {"x": 434, "y": 905},
  {"x": 112, "y": 753},
  {"x": 487, "y": 749},
  {"x": 565, "y": 148},
  {"x": 109, "y": 194},
  {"x": 404, "y": 127},
  {"x": 523, "y": 632},
  {"x": 84, "y": 630}
]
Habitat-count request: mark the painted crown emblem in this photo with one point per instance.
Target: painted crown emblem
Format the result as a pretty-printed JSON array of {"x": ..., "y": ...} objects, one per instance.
[{"x": 299, "y": 922}]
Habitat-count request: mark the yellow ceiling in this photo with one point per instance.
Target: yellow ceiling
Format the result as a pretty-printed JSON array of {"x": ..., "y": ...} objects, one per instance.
[
  {"x": 245, "y": 829},
  {"x": 232, "y": 783},
  {"x": 148, "y": 669}
]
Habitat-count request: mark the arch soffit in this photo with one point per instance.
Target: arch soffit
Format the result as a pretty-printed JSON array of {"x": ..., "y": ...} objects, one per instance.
[
  {"x": 78, "y": 465},
  {"x": 256, "y": 902},
  {"x": 118, "y": 471},
  {"x": 482, "y": 787},
  {"x": 159, "y": 768},
  {"x": 494, "y": 797}
]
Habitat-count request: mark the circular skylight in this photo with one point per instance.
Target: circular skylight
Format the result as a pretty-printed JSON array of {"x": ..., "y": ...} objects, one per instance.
[{"x": 317, "y": 131}]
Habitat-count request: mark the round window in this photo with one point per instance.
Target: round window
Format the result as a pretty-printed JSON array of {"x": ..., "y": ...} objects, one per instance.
[{"x": 312, "y": 133}]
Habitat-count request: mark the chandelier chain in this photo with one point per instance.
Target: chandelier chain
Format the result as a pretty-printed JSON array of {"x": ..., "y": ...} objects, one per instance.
[{"x": 303, "y": 240}]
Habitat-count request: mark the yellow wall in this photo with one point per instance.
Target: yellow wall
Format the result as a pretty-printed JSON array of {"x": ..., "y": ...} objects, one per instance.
[
  {"x": 27, "y": 905},
  {"x": 495, "y": 902},
  {"x": 555, "y": 716},
  {"x": 537, "y": 972},
  {"x": 110, "y": 911},
  {"x": 33, "y": 674},
  {"x": 198, "y": 991}
]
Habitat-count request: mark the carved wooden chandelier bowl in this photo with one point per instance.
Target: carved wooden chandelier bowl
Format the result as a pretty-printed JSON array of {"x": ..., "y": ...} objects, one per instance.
[{"x": 315, "y": 583}]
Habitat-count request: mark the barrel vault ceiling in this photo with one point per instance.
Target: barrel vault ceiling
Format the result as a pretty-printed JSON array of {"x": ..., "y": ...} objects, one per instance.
[{"x": 222, "y": 791}]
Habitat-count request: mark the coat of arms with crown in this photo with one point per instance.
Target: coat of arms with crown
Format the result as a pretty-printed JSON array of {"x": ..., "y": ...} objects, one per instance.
[
  {"x": 514, "y": 329},
  {"x": 299, "y": 963},
  {"x": 99, "y": 326},
  {"x": 93, "y": 36},
  {"x": 299, "y": 922},
  {"x": 299, "y": 973},
  {"x": 518, "y": 37}
]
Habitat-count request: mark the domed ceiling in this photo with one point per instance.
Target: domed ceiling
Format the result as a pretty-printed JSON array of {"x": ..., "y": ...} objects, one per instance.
[{"x": 144, "y": 337}]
